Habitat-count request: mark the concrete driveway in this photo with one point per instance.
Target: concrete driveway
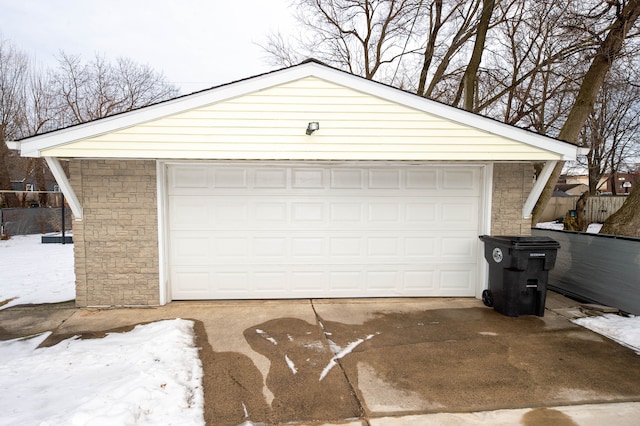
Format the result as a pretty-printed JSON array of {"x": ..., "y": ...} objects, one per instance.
[{"x": 383, "y": 361}]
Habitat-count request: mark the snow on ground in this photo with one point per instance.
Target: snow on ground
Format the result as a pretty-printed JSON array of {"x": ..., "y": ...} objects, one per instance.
[
  {"x": 32, "y": 272},
  {"x": 624, "y": 330},
  {"x": 149, "y": 376},
  {"x": 593, "y": 228},
  {"x": 557, "y": 226}
]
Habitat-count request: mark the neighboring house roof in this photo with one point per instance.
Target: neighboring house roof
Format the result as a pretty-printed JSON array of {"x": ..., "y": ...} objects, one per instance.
[
  {"x": 572, "y": 188},
  {"x": 265, "y": 117}
]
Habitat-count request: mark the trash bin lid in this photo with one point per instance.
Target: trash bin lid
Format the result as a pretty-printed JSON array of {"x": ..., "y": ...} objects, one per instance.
[{"x": 522, "y": 241}]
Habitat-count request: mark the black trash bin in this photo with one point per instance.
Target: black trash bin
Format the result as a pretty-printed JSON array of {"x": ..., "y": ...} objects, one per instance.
[{"x": 518, "y": 270}]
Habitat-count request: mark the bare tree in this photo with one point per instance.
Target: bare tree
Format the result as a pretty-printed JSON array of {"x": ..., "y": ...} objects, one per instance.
[
  {"x": 13, "y": 71},
  {"x": 96, "y": 89},
  {"x": 34, "y": 101},
  {"x": 625, "y": 15},
  {"x": 533, "y": 66},
  {"x": 450, "y": 26},
  {"x": 470, "y": 77},
  {"x": 625, "y": 221},
  {"x": 359, "y": 36},
  {"x": 612, "y": 131}
]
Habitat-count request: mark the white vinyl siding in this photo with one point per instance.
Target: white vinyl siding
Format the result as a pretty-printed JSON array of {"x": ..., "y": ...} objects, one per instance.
[{"x": 270, "y": 125}]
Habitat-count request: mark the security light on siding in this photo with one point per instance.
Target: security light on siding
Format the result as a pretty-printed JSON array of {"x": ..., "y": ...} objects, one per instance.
[{"x": 312, "y": 127}]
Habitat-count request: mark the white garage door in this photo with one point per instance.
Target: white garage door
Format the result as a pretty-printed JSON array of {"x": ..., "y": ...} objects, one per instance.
[{"x": 301, "y": 231}]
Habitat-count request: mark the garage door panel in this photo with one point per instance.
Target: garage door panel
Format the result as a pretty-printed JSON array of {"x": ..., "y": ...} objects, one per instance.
[
  {"x": 455, "y": 277},
  {"x": 307, "y": 212},
  {"x": 457, "y": 180},
  {"x": 191, "y": 283},
  {"x": 186, "y": 177},
  {"x": 270, "y": 211},
  {"x": 223, "y": 247},
  {"x": 422, "y": 213},
  {"x": 422, "y": 179},
  {"x": 229, "y": 284},
  {"x": 322, "y": 231},
  {"x": 231, "y": 212},
  {"x": 230, "y": 247},
  {"x": 417, "y": 282},
  {"x": 230, "y": 177},
  {"x": 384, "y": 178},
  {"x": 341, "y": 212},
  {"x": 331, "y": 281},
  {"x": 194, "y": 249},
  {"x": 347, "y": 179},
  {"x": 461, "y": 215},
  {"x": 269, "y": 247},
  {"x": 345, "y": 246},
  {"x": 270, "y": 283},
  {"x": 420, "y": 247},
  {"x": 308, "y": 247},
  {"x": 188, "y": 213},
  {"x": 270, "y": 178},
  {"x": 459, "y": 248},
  {"x": 308, "y": 178}
]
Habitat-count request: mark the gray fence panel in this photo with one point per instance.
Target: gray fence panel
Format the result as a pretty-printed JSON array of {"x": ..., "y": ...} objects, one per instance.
[
  {"x": 26, "y": 221},
  {"x": 597, "y": 268}
]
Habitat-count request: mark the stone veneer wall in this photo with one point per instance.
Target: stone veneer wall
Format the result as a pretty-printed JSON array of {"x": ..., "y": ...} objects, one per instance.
[
  {"x": 512, "y": 183},
  {"x": 116, "y": 243}
]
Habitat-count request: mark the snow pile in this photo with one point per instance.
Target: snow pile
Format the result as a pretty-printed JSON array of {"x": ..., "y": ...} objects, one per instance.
[
  {"x": 593, "y": 228},
  {"x": 624, "y": 330},
  {"x": 33, "y": 272},
  {"x": 557, "y": 226},
  {"x": 149, "y": 376}
]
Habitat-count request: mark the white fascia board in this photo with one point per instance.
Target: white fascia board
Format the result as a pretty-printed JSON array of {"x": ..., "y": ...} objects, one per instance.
[
  {"x": 12, "y": 145},
  {"x": 31, "y": 147},
  {"x": 566, "y": 150},
  {"x": 60, "y": 176}
]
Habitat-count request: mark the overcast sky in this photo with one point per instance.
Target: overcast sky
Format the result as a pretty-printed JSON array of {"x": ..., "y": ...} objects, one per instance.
[{"x": 195, "y": 43}]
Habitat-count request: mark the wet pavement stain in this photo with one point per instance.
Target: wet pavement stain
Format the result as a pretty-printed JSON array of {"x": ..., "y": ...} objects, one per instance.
[
  {"x": 545, "y": 417},
  {"x": 232, "y": 385},
  {"x": 476, "y": 359},
  {"x": 432, "y": 361},
  {"x": 298, "y": 353}
]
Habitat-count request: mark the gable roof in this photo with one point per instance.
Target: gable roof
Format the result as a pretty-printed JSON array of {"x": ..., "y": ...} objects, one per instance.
[{"x": 265, "y": 117}]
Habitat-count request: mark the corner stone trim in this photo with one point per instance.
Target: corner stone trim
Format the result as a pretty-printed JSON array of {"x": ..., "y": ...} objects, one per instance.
[
  {"x": 512, "y": 183},
  {"x": 116, "y": 243}
]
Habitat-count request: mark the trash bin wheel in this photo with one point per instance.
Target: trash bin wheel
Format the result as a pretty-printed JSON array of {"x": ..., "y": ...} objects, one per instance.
[{"x": 487, "y": 298}]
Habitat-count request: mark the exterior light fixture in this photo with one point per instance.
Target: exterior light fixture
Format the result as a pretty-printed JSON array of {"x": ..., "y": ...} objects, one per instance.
[{"x": 312, "y": 127}]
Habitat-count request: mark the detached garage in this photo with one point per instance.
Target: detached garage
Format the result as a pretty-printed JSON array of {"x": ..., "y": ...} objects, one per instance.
[{"x": 307, "y": 182}]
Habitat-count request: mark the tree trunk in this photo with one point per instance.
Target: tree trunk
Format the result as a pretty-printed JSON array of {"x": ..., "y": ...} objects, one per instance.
[
  {"x": 5, "y": 179},
  {"x": 608, "y": 51},
  {"x": 625, "y": 221},
  {"x": 471, "y": 73},
  {"x": 41, "y": 182},
  {"x": 430, "y": 48},
  {"x": 581, "y": 205}
]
